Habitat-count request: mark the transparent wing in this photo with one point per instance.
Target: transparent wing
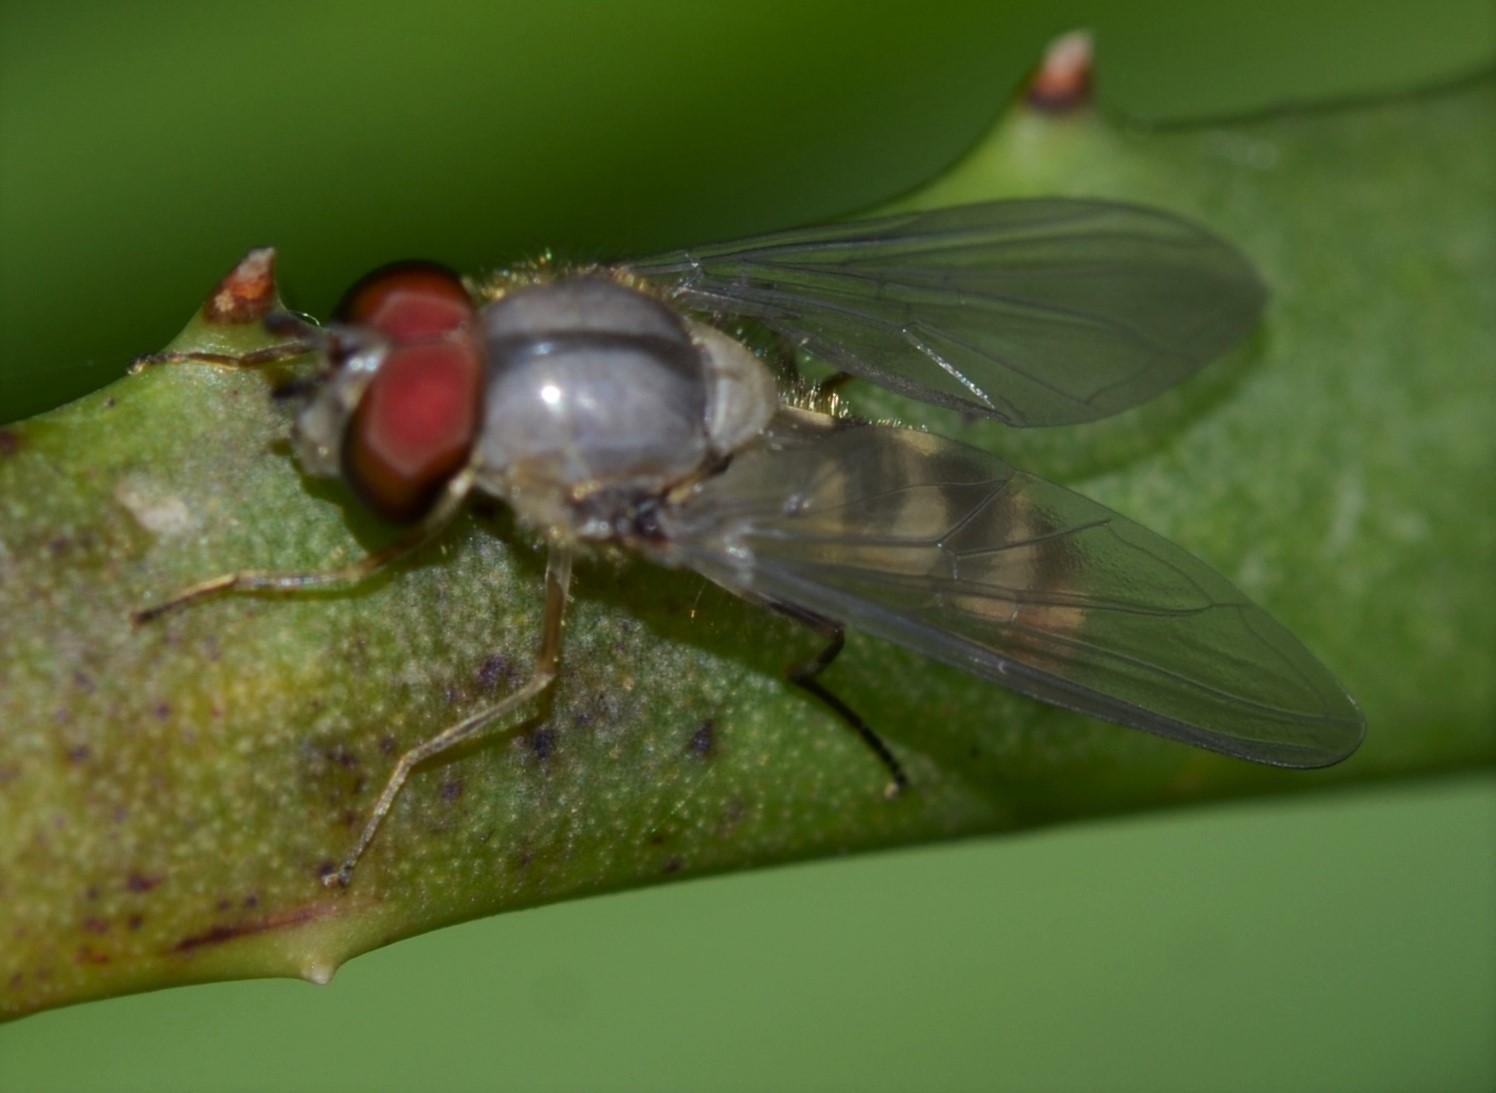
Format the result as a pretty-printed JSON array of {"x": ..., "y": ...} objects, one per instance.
[
  {"x": 953, "y": 553},
  {"x": 1038, "y": 312}
]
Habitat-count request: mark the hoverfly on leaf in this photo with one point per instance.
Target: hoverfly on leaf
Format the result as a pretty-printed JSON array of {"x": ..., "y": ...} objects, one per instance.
[{"x": 608, "y": 405}]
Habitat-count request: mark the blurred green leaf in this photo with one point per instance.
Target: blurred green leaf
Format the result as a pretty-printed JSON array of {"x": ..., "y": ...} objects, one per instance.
[{"x": 169, "y": 796}]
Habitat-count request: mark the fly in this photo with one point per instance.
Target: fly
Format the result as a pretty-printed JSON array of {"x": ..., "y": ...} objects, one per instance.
[{"x": 608, "y": 406}]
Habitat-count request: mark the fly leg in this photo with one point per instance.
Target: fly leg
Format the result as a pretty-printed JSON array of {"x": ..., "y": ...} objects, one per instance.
[
  {"x": 828, "y": 388},
  {"x": 557, "y": 577},
  {"x": 819, "y": 393},
  {"x": 258, "y": 359},
  {"x": 803, "y": 675},
  {"x": 305, "y": 338},
  {"x": 252, "y": 580}
]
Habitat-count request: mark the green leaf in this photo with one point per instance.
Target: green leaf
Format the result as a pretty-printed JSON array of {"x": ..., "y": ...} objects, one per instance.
[{"x": 170, "y": 795}]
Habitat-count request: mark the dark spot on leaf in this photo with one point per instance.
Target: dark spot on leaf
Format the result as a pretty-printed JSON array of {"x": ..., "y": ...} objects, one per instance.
[
  {"x": 494, "y": 670},
  {"x": 672, "y": 865},
  {"x": 162, "y": 710},
  {"x": 134, "y": 921},
  {"x": 95, "y": 925},
  {"x": 657, "y": 839},
  {"x": 452, "y": 790},
  {"x": 79, "y": 754},
  {"x": 223, "y": 905},
  {"x": 211, "y": 937},
  {"x": 248, "y": 929},
  {"x": 388, "y": 744},
  {"x": 140, "y": 882},
  {"x": 86, "y": 955},
  {"x": 109, "y": 403},
  {"x": 91, "y": 893},
  {"x": 703, "y": 743},
  {"x": 340, "y": 755},
  {"x": 542, "y": 743},
  {"x": 10, "y": 442},
  {"x": 58, "y": 544},
  {"x": 83, "y": 681}
]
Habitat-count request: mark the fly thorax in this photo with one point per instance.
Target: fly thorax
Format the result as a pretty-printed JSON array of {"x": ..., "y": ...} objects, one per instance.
[{"x": 594, "y": 391}]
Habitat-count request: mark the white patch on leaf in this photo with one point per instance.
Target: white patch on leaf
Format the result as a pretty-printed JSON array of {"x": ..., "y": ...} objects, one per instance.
[{"x": 154, "y": 509}]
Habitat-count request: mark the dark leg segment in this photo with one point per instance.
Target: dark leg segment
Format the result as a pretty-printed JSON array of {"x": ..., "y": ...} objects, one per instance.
[
  {"x": 788, "y": 358},
  {"x": 832, "y": 384},
  {"x": 804, "y": 675},
  {"x": 305, "y": 339}
]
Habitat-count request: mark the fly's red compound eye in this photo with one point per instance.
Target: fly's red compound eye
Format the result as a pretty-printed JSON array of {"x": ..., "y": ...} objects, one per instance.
[
  {"x": 418, "y": 418},
  {"x": 408, "y": 301},
  {"x": 413, "y": 428}
]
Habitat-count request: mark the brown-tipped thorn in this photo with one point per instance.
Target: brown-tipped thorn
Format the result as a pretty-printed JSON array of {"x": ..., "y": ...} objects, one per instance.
[
  {"x": 248, "y": 293},
  {"x": 1065, "y": 80},
  {"x": 246, "y": 296}
]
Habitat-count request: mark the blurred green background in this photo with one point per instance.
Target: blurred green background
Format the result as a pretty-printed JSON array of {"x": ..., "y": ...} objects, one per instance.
[{"x": 1343, "y": 942}]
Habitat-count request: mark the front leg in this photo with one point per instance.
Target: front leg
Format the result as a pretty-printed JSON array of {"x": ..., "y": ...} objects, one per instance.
[{"x": 428, "y": 529}]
